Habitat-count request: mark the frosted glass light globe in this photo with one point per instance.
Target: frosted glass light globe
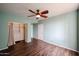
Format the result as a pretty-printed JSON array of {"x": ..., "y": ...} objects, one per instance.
[{"x": 38, "y": 16}]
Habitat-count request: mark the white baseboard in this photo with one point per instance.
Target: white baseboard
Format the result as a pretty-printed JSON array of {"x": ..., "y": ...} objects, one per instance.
[
  {"x": 28, "y": 41},
  {"x": 4, "y": 48}
]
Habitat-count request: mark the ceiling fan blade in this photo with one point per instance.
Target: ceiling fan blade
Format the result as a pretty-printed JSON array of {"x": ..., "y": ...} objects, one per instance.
[
  {"x": 44, "y": 12},
  {"x": 32, "y": 11},
  {"x": 31, "y": 15},
  {"x": 44, "y": 16}
]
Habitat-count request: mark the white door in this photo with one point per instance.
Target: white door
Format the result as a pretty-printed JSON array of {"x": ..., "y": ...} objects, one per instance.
[
  {"x": 16, "y": 31},
  {"x": 40, "y": 31}
]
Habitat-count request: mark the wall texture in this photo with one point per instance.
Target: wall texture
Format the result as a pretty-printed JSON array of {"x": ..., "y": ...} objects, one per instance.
[
  {"x": 61, "y": 30},
  {"x": 4, "y": 19}
]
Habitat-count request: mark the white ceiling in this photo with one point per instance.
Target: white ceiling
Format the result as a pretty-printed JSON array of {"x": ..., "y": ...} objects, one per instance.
[{"x": 53, "y": 8}]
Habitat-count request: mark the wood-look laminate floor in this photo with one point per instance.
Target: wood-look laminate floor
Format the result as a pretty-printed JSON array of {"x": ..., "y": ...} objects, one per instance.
[{"x": 38, "y": 48}]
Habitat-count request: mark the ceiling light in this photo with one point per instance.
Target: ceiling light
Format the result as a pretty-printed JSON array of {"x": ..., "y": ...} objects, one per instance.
[{"x": 38, "y": 16}]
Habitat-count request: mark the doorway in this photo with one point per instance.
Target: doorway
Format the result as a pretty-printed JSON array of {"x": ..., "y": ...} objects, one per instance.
[
  {"x": 17, "y": 32},
  {"x": 40, "y": 31}
]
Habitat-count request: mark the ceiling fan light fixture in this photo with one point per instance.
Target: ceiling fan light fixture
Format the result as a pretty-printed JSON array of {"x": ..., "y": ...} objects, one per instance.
[{"x": 37, "y": 16}]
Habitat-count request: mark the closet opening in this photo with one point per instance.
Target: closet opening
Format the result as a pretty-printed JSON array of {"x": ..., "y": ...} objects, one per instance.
[{"x": 17, "y": 32}]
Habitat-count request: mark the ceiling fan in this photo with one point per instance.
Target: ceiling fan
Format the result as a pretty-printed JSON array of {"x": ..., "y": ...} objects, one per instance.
[{"x": 39, "y": 14}]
